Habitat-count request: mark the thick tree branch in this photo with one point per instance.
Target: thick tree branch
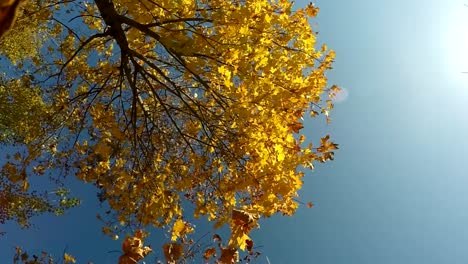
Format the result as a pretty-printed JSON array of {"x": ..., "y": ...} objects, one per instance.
[{"x": 113, "y": 21}]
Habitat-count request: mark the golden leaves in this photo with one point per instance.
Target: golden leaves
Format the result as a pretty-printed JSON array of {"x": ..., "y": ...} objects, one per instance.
[
  {"x": 226, "y": 73},
  {"x": 242, "y": 223},
  {"x": 229, "y": 255},
  {"x": 133, "y": 249},
  {"x": 326, "y": 148},
  {"x": 311, "y": 10},
  {"x": 281, "y": 154},
  {"x": 189, "y": 102},
  {"x": 22, "y": 111},
  {"x": 67, "y": 259},
  {"x": 180, "y": 229}
]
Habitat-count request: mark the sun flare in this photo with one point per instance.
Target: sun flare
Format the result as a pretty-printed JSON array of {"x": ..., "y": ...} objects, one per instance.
[{"x": 456, "y": 39}]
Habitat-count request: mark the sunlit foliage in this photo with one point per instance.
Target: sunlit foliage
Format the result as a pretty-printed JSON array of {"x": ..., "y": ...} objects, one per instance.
[{"x": 160, "y": 103}]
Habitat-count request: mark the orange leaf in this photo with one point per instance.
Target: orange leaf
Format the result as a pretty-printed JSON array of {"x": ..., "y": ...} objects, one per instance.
[
  {"x": 210, "y": 252},
  {"x": 295, "y": 127},
  {"x": 229, "y": 255},
  {"x": 249, "y": 245},
  {"x": 311, "y": 10},
  {"x": 133, "y": 249},
  {"x": 172, "y": 252}
]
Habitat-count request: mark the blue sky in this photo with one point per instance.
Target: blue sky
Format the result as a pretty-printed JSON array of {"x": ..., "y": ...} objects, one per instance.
[{"x": 396, "y": 192}]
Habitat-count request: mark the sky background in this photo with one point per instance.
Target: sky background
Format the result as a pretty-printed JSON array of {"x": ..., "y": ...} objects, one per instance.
[{"x": 396, "y": 191}]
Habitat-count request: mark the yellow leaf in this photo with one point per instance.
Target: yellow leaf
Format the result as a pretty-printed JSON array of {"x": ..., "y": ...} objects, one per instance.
[
  {"x": 25, "y": 185},
  {"x": 280, "y": 152},
  {"x": 243, "y": 241},
  {"x": 68, "y": 258},
  {"x": 180, "y": 228}
]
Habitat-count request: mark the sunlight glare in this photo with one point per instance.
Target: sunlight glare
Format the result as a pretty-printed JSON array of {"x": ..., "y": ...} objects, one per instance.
[{"x": 456, "y": 41}]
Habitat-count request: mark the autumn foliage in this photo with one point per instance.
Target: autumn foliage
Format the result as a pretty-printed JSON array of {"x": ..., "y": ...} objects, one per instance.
[
  {"x": 161, "y": 103},
  {"x": 133, "y": 249}
]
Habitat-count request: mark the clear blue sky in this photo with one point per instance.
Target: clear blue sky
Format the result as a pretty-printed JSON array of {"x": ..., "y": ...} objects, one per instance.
[{"x": 396, "y": 192}]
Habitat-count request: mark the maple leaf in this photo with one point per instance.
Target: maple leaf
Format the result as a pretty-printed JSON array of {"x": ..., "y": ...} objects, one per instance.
[
  {"x": 133, "y": 249},
  {"x": 311, "y": 10},
  {"x": 296, "y": 126}
]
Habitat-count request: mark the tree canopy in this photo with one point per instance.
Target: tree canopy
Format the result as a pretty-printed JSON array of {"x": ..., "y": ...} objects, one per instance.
[{"x": 166, "y": 103}]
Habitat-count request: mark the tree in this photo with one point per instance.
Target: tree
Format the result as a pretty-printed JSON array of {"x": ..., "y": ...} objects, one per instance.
[
  {"x": 22, "y": 109},
  {"x": 163, "y": 102}
]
